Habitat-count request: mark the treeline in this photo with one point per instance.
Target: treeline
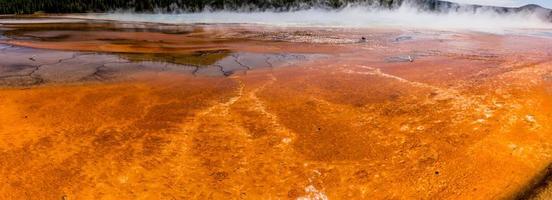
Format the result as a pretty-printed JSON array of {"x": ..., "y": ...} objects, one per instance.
[{"x": 80, "y": 6}]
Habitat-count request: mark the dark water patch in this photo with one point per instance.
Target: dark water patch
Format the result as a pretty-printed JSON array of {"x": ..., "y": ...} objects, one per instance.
[
  {"x": 198, "y": 58},
  {"x": 403, "y": 38},
  {"x": 400, "y": 58},
  {"x": 61, "y": 37}
]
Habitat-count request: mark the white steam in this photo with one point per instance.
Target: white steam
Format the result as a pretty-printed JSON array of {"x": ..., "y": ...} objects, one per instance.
[{"x": 405, "y": 17}]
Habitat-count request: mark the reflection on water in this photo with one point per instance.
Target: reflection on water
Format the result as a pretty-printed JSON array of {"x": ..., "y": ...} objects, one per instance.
[
  {"x": 128, "y": 47},
  {"x": 198, "y": 58}
]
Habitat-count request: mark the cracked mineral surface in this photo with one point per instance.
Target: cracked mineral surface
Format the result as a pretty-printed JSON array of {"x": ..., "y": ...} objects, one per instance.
[{"x": 93, "y": 109}]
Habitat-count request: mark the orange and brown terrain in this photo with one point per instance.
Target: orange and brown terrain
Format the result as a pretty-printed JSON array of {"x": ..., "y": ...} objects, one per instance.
[{"x": 93, "y": 109}]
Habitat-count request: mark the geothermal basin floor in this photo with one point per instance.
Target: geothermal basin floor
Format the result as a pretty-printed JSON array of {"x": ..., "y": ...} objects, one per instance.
[{"x": 93, "y": 109}]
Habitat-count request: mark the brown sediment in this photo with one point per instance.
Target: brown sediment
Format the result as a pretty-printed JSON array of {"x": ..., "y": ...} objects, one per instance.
[
  {"x": 462, "y": 120},
  {"x": 539, "y": 188}
]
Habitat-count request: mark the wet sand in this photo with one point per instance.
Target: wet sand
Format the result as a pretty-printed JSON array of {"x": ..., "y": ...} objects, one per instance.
[{"x": 112, "y": 110}]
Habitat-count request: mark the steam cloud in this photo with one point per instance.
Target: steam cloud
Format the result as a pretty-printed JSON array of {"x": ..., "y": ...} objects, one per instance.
[{"x": 403, "y": 17}]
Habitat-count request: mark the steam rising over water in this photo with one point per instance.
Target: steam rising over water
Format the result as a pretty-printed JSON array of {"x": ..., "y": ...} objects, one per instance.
[{"x": 352, "y": 17}]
